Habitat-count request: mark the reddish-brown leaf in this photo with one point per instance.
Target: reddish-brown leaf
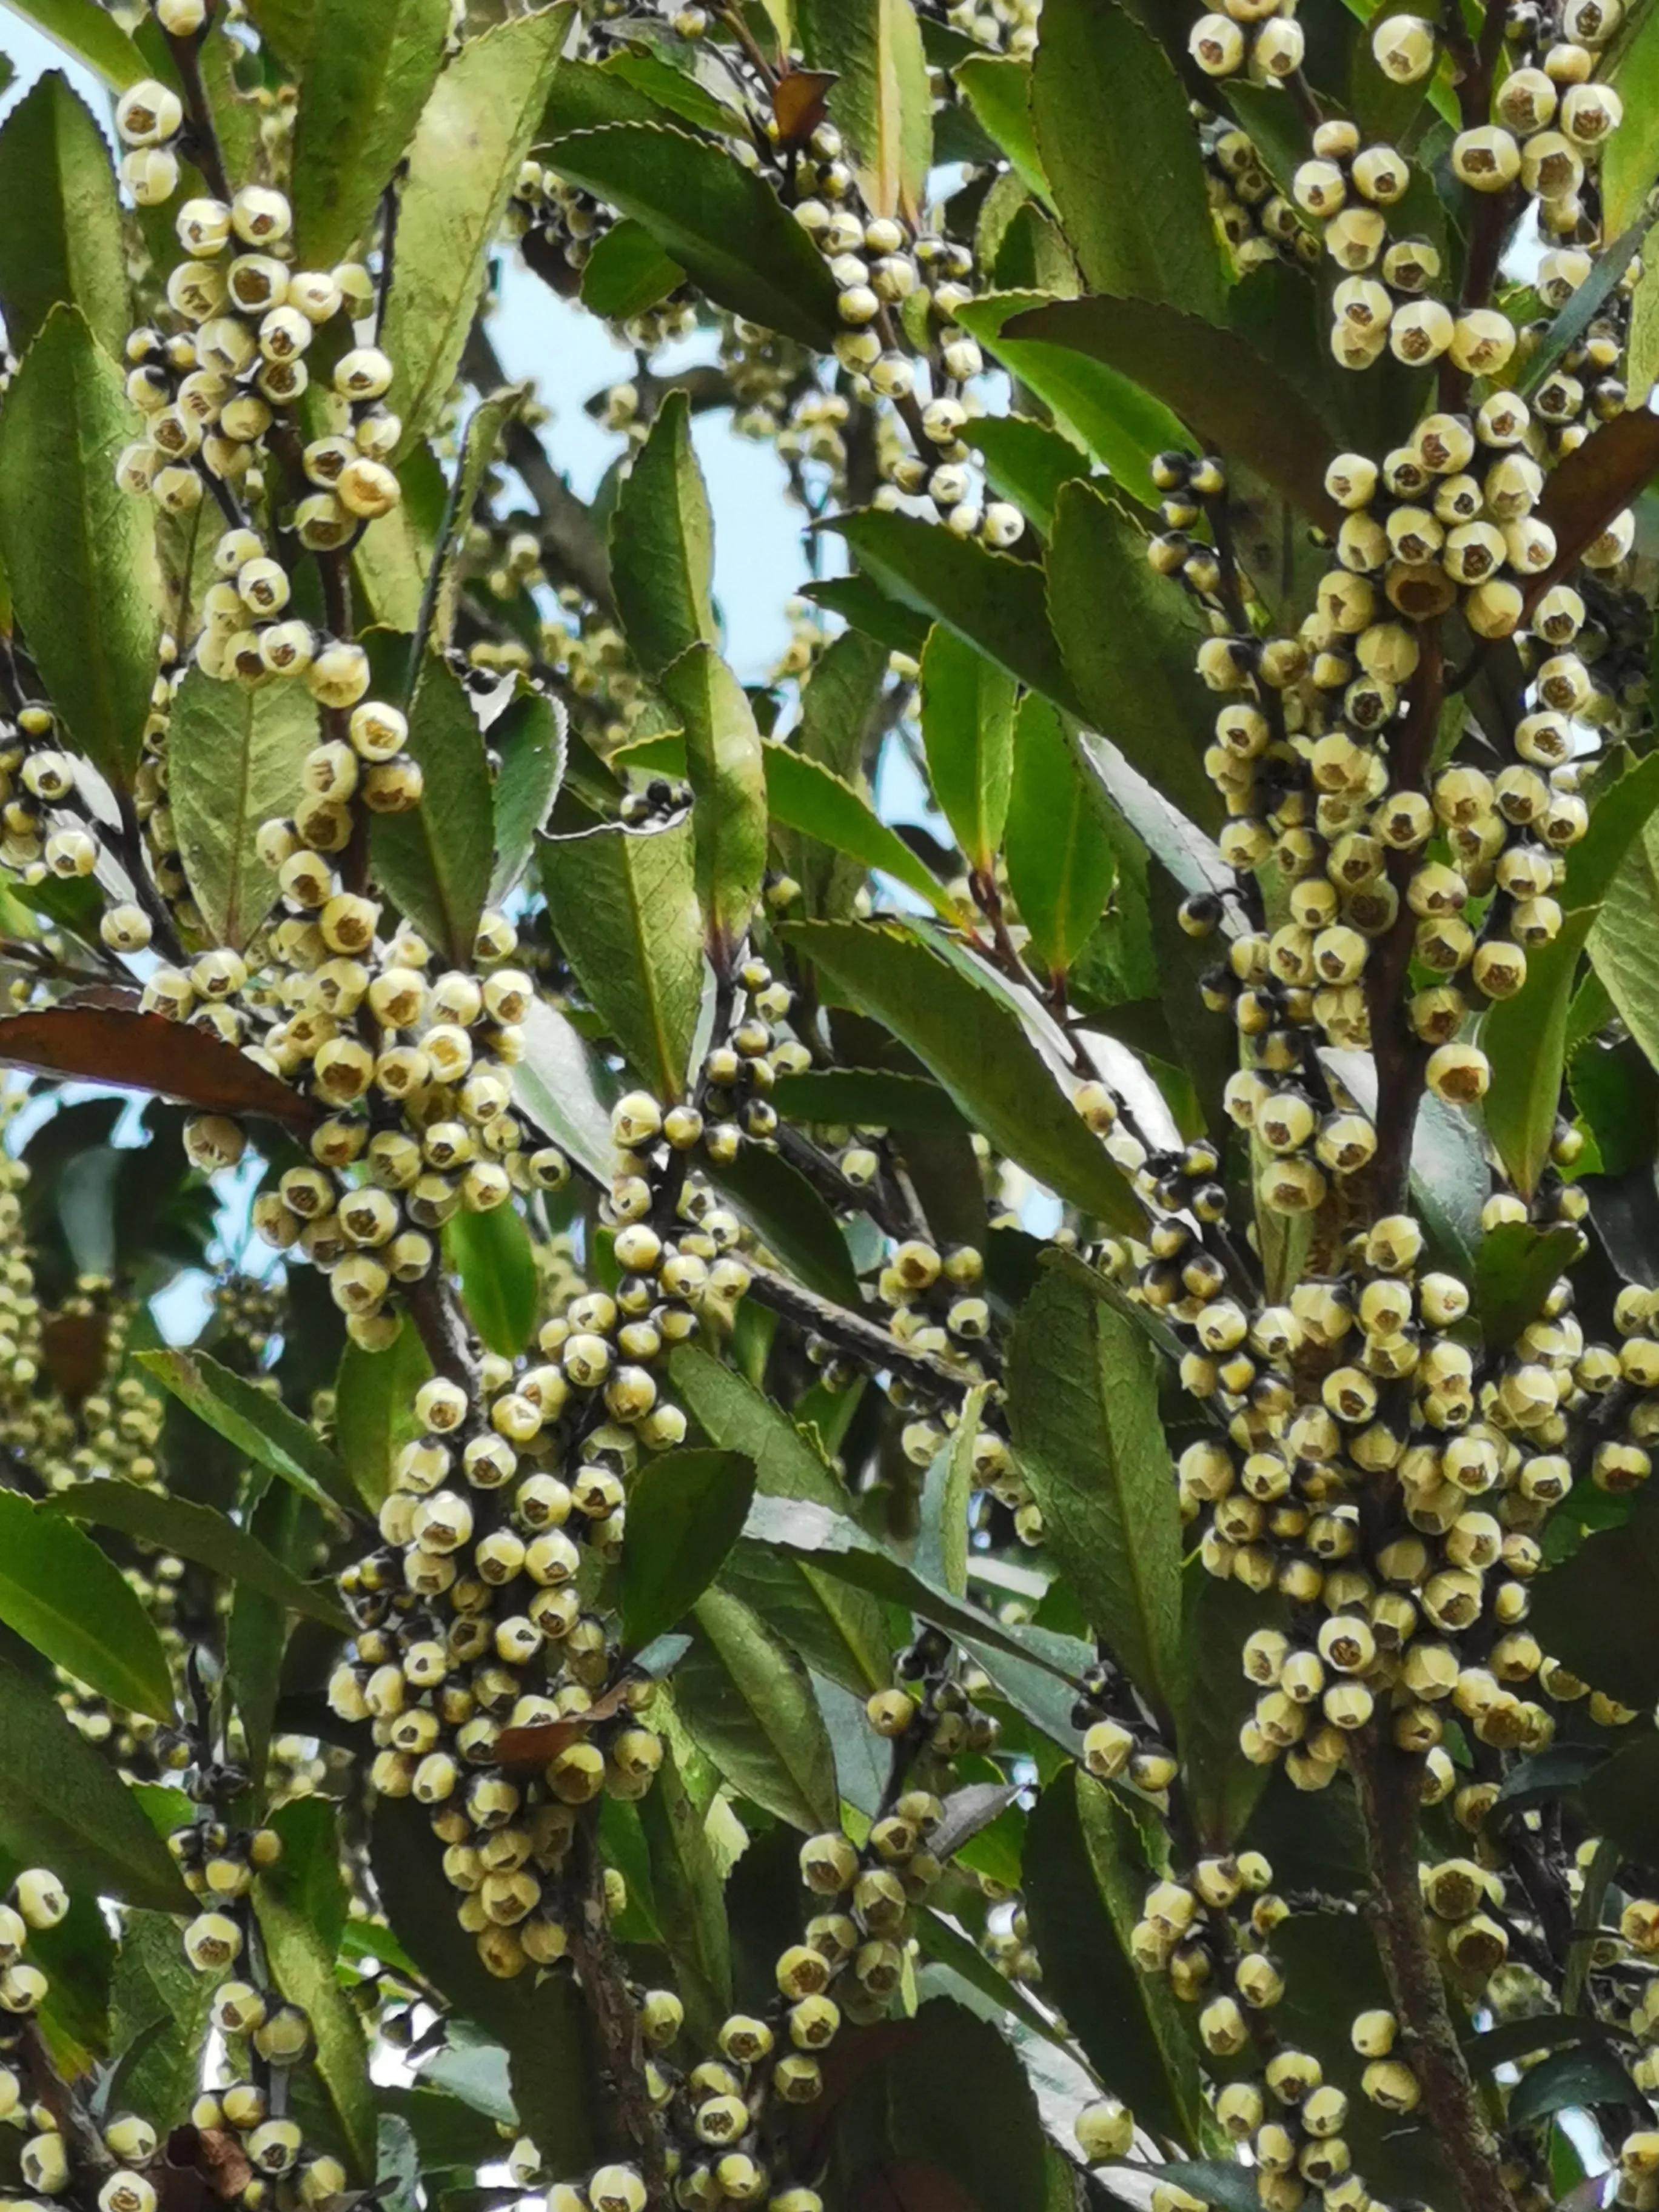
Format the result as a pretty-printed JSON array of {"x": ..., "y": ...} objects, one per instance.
[
  {"x": 799, "y": 99},
  {"x": 118, "y": 1044},
  {"x": 534, "y": 1746},
  {"x": 76, "y": 1348},
  {"x": 1594, "y": 485},
  {"x": 907, "y": 2184}
]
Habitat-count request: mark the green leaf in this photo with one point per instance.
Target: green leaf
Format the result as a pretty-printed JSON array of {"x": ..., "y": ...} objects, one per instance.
[
  {"x": 484, "y": 430},
  {"x": 160, "y": 2008},
  {"x": 1027, "y": 462},
  {"x": 859, "y": 601},
  {"x": 675, "y": 88},
  {"x": 867, "y": 1098},
  {"x": 65, "y": 1807},
  {"x": 464, "y": 162},
  {"x": 78, "y": 552},
  {"x": 1101, "y": 410},
  {"x": 952, "y": 2122},
  {"x": 1515, "y": 1265},
  {"x": 968, "y": 729},
  {"x": 374, "y": 1410},
  {"x": 499, "y": 1288},
  {"x": 1626, "y": 925},
  {"x": 1216, "y": 1698},
  {"x": 972, "y": 1042},
  {"x": 662, "y": 544},
  {"x": 530, "y": 738},
  {"x": 688, "y": 1902},
  {"x": 1085, "y": 1874},
  {"x": 1631, "y": 158},
  {"x": 196, "y": 1532},
  {"x": 992, "y": 602},
  {"x": 234, "y": 760},
  {"x": 287, "y": 1526},
  {"x": 68, "y": 1599},
  {"x": 1595, "y": 1612},
  {"x": 1217, "y": 381},
  {"x": 257, "y": 1423},
  {"x": 1568, "y": 2081},
  {"x": 626, "y": 273},
  {"x": 1621, "y": 1798},
  {"x": 1525, "y": 1038},
  {"x": 723, "y": 224},
  {"x": 804, "y": 795},
  {"x": 55, "y": 162},
  {"x": 1135, "y": 675},
  {"x": 946, "y": 1500},
  {"x": 624, "y": 909},
  {"x": 393, "y": 563},
  {"x": 882, "y": 100},
  {"x": 687, "y": 1509},
  {"x": 566, "y": 1089},
  {"x": 1083, "y": 1404},
  {"x": 84, "y": 29},
  {"x": 1131, "y": 237},
  {"x": 368, "y": 75},
  {"x": 540, "y": 2020},
  {"x": 1061, "y": 863},
  {"x": 300, "y": 1950},
  {"x": 747, "y": 1701},
  {"x": 436, "y": 860},
  {"x": 999, "y": 90},
  {"x": 724, "y": 761},
  {"x": 788, "y": 1217}
]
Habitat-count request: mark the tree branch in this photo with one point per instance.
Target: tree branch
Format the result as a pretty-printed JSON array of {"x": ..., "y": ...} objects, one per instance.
[
  {"x": 616, "y": 2019},
  {"x": 570, "y": 540},
  {"x": 864, "y": 1341}
]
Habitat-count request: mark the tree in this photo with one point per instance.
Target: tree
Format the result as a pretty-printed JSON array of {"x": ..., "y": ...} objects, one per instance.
[{"x": 901, "y": 1516}]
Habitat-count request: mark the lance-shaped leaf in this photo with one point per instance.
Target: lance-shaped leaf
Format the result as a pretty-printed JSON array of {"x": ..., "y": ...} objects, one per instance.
[
  {"x": 65, "y": 1807},
  {"x": 687, "y": 1901},
  {"x": 1211, "y": 378},
  {"x": 196, "y": 1532},
  {"x": 1596, "y": 1609},
  {"x": 628, "y": 272},
  {"x": 967, "y": 730},
  {"x": 803, "y": 795},
  {"x": 256, "y": 1423},
  {"x": 662, "y": 544},
  {"x": 992, "y": 602},
  {"x": 531, "y": 740},
  {"x": 437, "y": 860},
  {"x": 484, "y": 431},
  {"x": 77, "y": 552},
  {"x": 368, "y": 74},
  {"x": 1061, "y": 861},
  {"x": 374, "y": 1410},
  {"x": 724, "y": 761},
  {"x": 67, "y": 1598},
  {"x": 882, "y": 99},
  {"x": 747, "y": 1701},
  {"x": 161, "y": 2010},
  {"x": 1135, "y": 674},
  {"x": 1028, "y": 462},
  {"x": 1594, "y": 483},
  {"x": 1132, "y": 236},
  {"x": 688, "y": 1509},
  {"x": 463, "y": 164},
  {"x": 1083, "y": 1398},
  {"x": 54, "y": 160},
  {"x": 1086, "y": 1876},
  {"x": 234, "y": 760},
  {"x": 999, "y": 90},
  {"x": 973, "y": 1044},
  {"x": 136, "y": 1051},
  {"x": 789, "y": 1218},
  {"x": 500, "y": 1287},
  {"x": 624, "y": 909},
  {"x": 91, "y": 34},
  {"x": 724, "y": 224},
  {"x": 564, "y": 1087}
]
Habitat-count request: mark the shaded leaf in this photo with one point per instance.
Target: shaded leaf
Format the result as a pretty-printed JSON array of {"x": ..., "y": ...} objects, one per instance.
[
  {"x": 867, "y": 1097},
  {"x": 723, "y": 224},
  {"x": 687, "y": 1510},
  {"x": 626, "y": 273},
  {"x": 1515, "y": 1265},
  {"x": 624, "y": 907},
  {"x": 437, "y": 860},
  {"x": 368, "y": 74},
  {"x": 1572, "y": 2080},
  {"x": 65, "y": 1807},
  {"x": 687, "y": 1901},
  {"x": 1061, "y": 862},
  {"x": 1621, "y": 1796},
  {"x": 255, "y": 1422},
  {"x": 1595, "y": 1612},
  {"x": 196, "y": 1532},
  {"x": 530, "y": 738},
  {"x": 662, "y": 544},
  {"x": 1083, "y": 1402},
  {"x": 805, "y": 795},
  {"x": 747, "y": 1701},
  {"x": 972, "y": 1042},
  {"x": 233, "y": 761},
  {"x": 160, "y": 2008},
  {"x": 485, "y": 427},
  {"x": 78, "y": 552},
  {"x": 1094, "y": 58},
  {"x": 463, "y": 164},
  {"x": 54, "y": 161},
  {"x": 565, "y": 1089},
  {"x": 1027, "y": 462},
  {"x": 785, "y": 1212},
  {"x": 499, "y": 1288},
  {"x": 68, "y": 1599}
]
